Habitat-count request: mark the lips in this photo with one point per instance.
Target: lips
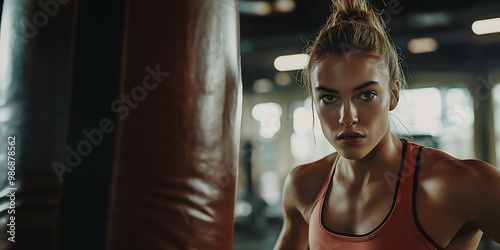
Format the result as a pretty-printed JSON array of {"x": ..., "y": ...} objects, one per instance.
[
  {"x": 350, "y": 135},
  {"x": 351, "y": 138}
]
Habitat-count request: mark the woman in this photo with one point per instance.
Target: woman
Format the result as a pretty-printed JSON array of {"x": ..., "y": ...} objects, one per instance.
[{"x": 378, "y": 191}]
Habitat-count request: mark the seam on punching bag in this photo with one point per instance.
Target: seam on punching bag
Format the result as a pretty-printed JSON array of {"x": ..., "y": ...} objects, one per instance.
[
  {"x": 74, "y": 24},
  {"x": 85, "y": 192},
  {"x": 119, "y": 124}
]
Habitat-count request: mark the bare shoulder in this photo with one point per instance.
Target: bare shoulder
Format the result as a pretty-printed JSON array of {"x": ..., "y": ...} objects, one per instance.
[
  {"x": 304, "y": 182},
  {"x": 466, "y": 190},
  {"x": 453, "y": 171},
  {"x": 466, "y": 186}
]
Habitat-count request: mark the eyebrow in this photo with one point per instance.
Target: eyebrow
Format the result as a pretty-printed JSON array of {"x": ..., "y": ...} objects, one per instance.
[{"x": 362, "y": 86}]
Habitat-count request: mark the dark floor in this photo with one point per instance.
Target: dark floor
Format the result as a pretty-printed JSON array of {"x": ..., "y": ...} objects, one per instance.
[{"x": 265, "y": 238}]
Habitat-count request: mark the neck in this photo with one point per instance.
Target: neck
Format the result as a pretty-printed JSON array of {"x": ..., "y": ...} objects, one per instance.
[{"x": 384, "y": 157}]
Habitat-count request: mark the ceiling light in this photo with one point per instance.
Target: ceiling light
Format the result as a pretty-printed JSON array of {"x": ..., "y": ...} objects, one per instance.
[
  {"x": 284, "y": 5},
  {"x": 424, "y": 20},
  {"x": 262, "y": 86},
  {"x": 283, "y": 78},
  {"x": 291, "y": 62},
  {"x": 260, "y": 8},
  {"x": 486, "y": 26},
  {"x": 422, "y": 45}
]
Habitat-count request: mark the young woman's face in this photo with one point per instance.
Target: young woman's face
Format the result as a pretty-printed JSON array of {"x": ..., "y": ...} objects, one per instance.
[{"x": 353, "y": 99}]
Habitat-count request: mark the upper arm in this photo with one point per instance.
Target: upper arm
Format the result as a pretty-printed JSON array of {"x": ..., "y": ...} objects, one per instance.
[
  {"x": 487, "y": 211},
  {"x": 294, "y": 234},
  {"x": 478, "y": 195}
]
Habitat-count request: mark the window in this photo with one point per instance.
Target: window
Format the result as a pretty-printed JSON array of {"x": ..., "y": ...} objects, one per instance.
[
  {"x": 444, "y": 115},
  {"x": 307, "y": 142},
  {"x": 496, "y": 118}
]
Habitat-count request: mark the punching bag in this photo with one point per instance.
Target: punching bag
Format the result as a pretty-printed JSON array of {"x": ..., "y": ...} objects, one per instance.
[
  {"x": 174, "y": 174},
  {"x": 175, "y": 169},
  {"x": 121, "y": 121},
  {"x": 35, "y": 83}
]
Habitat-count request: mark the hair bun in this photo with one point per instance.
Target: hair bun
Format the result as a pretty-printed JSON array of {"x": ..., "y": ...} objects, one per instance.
[
  {"x": 352, "y": 14},
  {"x": 351, "y": 10}
]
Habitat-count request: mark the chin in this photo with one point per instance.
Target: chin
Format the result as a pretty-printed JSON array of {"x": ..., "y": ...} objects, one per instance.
[{"x": 352, "y": 153}]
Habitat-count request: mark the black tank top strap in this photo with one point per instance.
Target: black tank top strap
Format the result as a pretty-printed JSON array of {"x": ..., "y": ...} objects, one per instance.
[{"x": 407, "y": 176}]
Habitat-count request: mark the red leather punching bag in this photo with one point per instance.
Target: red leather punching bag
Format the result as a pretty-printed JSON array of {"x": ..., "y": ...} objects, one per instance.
[{"x": 175, "y": 168}]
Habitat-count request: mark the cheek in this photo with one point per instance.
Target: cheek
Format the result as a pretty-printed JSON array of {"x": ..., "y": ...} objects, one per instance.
[
  {"x": 328, "y": 120},
  {"x": 328, "y": 116},
  {"x": 376, "y": 118},
  {"x": 376, "y": 112},
  {"x": 373, "y": 112}
]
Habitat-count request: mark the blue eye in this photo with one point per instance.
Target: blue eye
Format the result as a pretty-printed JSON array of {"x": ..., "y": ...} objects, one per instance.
[
  {"x": 367, "y": 95},
  {"x": 328, "y": 98}
]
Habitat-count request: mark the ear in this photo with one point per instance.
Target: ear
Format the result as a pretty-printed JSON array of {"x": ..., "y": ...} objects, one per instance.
[{"x": 395, "y": 95}]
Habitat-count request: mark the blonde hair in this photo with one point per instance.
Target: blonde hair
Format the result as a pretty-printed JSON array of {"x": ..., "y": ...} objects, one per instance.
[{"x": 354, "y": 26}]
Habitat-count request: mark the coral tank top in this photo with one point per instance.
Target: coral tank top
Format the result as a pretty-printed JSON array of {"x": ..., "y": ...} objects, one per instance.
[{"x": 400, "y": 229}]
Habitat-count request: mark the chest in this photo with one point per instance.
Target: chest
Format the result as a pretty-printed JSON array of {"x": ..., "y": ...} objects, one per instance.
[{"x": 357, "y": 211}]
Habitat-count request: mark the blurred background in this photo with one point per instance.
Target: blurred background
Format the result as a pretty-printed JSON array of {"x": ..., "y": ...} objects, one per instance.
[{"x": 452, "y": 102}]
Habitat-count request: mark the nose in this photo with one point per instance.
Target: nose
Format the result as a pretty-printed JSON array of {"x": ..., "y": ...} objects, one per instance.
[{"x": 348, "y": 115}]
